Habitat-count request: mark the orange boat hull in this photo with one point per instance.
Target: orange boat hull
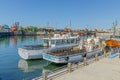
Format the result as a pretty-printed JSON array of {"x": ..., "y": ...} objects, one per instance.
[{"x": 112, "y": 43}]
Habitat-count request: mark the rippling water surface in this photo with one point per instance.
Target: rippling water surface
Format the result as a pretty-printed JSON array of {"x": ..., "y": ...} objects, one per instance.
[{"x": 12, "y": 67}]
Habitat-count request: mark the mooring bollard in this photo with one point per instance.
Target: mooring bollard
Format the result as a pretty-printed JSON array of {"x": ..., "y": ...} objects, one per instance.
[
  {"x": 85, "y": 61},
  {"x": 69, "y": 67},
  {"x": 96, "y": 57},
  {"x": 44, "y": 74}
]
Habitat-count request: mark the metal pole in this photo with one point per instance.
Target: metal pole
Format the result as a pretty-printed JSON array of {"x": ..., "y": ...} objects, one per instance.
[{"x": 44, "y": 74}]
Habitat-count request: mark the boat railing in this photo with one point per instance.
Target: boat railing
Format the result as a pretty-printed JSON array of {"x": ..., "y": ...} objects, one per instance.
[
  {"x": 33, "y": 48},
  {"x": 92, "y": 51},
  {"x": 56, "y": 70},
  {"x": 69, "y": 52}
]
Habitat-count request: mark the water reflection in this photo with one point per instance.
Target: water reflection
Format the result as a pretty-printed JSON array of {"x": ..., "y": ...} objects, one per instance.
[
  {"x": 4, "y": 41},
  {"x": 32, "y": 65},
  {"x": 14, "y": 40},
  {"x": 11, "y": 67}
]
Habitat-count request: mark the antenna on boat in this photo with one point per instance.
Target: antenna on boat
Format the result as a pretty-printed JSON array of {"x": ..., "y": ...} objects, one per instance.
[
  {"x": 114, "y": 28},
  {"x": 70, "y": 23},
  {"x": 48, "y": 24}
]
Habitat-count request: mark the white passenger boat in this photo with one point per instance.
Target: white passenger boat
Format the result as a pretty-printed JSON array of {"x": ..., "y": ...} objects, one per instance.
[
  {"x": 73, "y": 53},
  {"x": 35, "y": 51}
]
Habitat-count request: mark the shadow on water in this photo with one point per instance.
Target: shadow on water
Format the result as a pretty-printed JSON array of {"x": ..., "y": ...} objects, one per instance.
[{"x": 52, "y": 66}]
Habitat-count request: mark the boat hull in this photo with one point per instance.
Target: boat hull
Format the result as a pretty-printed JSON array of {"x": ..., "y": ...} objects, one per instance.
[
  {"x": 70, "y": 58},
  {"x": 30, "y": 54},
  {"x": 63, "y": 59}
]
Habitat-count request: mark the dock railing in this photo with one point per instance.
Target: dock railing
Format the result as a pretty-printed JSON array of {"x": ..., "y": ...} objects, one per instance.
[{"x": 50, "y": 75}]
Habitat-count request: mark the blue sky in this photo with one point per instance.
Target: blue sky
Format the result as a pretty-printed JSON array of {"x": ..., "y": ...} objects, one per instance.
[{"x": 82, "y": 13}]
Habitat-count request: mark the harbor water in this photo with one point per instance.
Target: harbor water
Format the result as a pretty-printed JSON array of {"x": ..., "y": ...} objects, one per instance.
[{"x": 12, "y": 67}]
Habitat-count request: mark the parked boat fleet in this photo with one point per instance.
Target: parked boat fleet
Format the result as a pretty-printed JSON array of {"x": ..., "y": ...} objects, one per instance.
[
  {"x": 36, "y": 51},
  {"x": 63, "y": 49}
]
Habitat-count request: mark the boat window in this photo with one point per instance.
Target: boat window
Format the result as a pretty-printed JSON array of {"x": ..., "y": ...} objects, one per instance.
[
  {"x": 52, "y": 41},
  {"x": 63, "y": 40},
  {"x": 58, "y": 42},
  {"x": 78, "y": 39},
  {"x": 72, "y": 40},
  {"x": 45, "y": 41}
]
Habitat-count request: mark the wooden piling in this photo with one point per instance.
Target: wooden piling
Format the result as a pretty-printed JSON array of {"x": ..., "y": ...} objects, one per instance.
[
  {"x": 44, "y": 74},
  {"x": 96, "y": 57},
  {"x": 105, "y": 54},
  {"x": 85, "y": 61},
  {"x": 69, "y": 67}
]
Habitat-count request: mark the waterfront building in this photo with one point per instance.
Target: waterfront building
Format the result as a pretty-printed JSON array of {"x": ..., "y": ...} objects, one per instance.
[
  {"x": 4, "y": 28},
  {"x": 15, "y": 26},
  {"x": 0, "y": 28}
]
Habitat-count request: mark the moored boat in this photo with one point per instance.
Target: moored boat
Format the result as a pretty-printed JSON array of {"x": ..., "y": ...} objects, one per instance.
[
  {"x": 73, "y": 53},
  {"x": 112, "y": 43}
]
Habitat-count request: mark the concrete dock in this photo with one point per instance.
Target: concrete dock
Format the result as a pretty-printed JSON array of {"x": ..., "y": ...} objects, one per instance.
[{"x": 104, "y": 69}]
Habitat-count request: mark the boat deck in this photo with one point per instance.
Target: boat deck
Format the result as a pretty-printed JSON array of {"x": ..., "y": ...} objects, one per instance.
[{"x": 68, "y": 51}]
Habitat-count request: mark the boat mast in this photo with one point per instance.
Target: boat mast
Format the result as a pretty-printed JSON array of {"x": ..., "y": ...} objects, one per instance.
[
  {"x": 114, "y": 28},
  {"x": 70, "y": 23}
]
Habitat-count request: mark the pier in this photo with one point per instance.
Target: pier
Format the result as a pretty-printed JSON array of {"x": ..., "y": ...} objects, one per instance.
[
  {"x": 6, "y": 34},
  {"x": 105, "y": 69},
  {"x": 98, "y": 68}
]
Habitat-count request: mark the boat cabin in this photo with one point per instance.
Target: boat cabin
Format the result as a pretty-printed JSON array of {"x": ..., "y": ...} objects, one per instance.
[{"x": 61, "y": 40}]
